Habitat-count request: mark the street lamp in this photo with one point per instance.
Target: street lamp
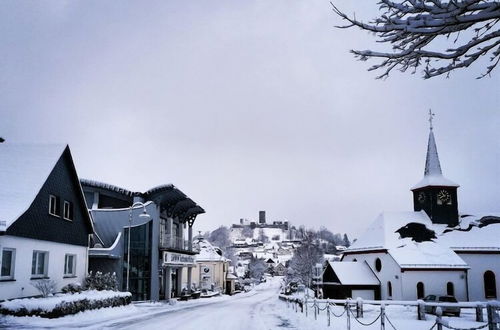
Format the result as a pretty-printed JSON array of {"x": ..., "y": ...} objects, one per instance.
[{"x": 144, "y": 214}]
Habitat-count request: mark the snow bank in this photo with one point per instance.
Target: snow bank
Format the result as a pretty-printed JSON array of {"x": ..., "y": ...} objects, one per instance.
[{"x": 63, "y": 304}]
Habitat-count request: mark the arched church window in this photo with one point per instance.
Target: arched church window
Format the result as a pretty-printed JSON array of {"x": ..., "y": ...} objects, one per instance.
[
  {"x": 378, "y": 264},
  {"x": 450, "y": 289},
  {"x": 420, "y": 290},
  {"x": 490, "y": 286},
  {"x": 389, "y": 289},
  {"x": 354, "y": 260}
]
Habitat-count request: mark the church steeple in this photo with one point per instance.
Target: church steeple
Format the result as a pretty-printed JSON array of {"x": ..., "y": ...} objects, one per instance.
[
  {"x": 432, "y": 164},
  {"x": 435, "y": 194}
]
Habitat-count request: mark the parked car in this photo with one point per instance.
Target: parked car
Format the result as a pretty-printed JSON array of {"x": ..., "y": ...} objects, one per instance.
[{"x": 442, "y": 299}]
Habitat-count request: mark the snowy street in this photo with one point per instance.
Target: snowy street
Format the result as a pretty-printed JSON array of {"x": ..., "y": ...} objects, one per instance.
[{"x": 257, "y": 309}]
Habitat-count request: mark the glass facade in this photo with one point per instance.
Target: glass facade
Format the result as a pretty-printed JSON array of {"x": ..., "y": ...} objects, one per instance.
[{"x": 140, "y": 261}]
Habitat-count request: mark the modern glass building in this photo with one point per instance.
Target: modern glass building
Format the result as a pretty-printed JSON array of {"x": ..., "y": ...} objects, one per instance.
[{"x": 160, "y": 244}]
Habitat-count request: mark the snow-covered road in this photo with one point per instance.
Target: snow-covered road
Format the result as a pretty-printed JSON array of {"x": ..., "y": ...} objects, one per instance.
[{"x": 259, "y": 309}]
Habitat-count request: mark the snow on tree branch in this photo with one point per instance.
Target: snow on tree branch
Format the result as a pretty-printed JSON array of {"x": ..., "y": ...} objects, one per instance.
[{"x": 414, "y": 28}]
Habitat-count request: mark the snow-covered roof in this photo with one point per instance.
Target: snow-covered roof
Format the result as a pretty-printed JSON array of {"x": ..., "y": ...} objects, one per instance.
[
  {"x": 208, "y": 252},
  {"x": 474, "y": 233},
  {"x": 230, "y": 276},
  {"x": 433, "y": 176},
  {"x": 107, "y": 186},
  {"x": 436, "y": 181},
  {"x": 381, "y": 234},
  {"x": 24, "y": 168},
  {"x": 354, "y": 273},
  {"x": 385, "y": 233},
  {"x": 426, "y": 255}
]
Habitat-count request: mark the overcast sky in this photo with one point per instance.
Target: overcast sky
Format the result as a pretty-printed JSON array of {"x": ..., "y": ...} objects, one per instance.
[{"x": 243, "y": 105}]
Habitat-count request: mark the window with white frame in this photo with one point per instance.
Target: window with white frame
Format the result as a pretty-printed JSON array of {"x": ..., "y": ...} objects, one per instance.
[
  {"x": 8, "y": 258},
  {"x": 39, "y": 264},
  {"x": 68, "y": 210},
  {"x": 53, "y": 205},
  {"x": 69, "y": 265}
]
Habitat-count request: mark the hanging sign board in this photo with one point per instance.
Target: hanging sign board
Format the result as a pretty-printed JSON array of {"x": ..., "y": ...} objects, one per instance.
[{"x": 170, "y": 258}]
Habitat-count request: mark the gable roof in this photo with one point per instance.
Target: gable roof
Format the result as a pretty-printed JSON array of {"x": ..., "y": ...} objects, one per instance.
[
  {"x": 382, "y": 235},
  {"x": 354, "y": 273},
  {"x": 24, "y": 168}
]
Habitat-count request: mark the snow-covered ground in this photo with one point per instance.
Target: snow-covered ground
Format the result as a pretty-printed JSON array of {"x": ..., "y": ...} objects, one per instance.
[{"x": 257, "y": 309}]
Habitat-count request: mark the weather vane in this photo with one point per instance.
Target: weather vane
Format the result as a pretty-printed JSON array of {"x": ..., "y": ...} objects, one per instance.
[{"x": 431, "y": 117}]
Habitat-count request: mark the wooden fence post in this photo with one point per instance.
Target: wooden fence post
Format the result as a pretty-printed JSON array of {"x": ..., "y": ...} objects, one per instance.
[
  {"x": 328, "y": 311},
  {"x": 347, "y": 311},
  {"x": 421, "y": 310},
  {"x": 439, "y": 320},
  {"x": 382, "y": 316},
  {"x": 479, "y": 313},
  {"x": 359, "y": 307},
  {"x": 493, "y": 316}
]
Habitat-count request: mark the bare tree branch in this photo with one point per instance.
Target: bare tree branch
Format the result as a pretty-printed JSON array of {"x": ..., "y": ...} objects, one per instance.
[{"x": 412, "y": 27}]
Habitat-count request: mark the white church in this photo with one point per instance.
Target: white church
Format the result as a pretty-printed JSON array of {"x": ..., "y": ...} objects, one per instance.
[{"x": 432, "y": 250}]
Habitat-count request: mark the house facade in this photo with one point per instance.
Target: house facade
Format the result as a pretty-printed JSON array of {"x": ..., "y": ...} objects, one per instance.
[
  {"x": 211, "y": 269},
  {"x": 44, "y": 222},
  {"x": 434, "y": 249},
  {"x": 161, "y": 243}
]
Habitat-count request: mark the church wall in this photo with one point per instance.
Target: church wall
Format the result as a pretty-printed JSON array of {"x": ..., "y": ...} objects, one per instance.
[
  {"x": 434, "y": 283},
  {"x": 479, "y": 264}
]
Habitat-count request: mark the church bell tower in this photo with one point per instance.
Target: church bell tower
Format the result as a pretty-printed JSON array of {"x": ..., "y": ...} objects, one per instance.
[{"x": 435, "y": 194}]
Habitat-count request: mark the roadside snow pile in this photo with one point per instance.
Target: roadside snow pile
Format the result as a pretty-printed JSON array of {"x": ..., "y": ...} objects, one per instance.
[{"x": 64, "y": 304}]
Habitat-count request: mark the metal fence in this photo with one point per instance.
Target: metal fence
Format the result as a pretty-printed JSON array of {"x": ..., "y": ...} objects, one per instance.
[{"x": 353, "y": 312}]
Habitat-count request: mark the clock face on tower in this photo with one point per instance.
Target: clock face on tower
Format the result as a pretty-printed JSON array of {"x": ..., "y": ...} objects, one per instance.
[
  {"x": 421, "y": 197},
  {"x": 443, "y": 197}
]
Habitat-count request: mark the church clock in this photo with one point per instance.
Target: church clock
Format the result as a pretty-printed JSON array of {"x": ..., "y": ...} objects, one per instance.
[
  {"x": 421, "y": 197},
  {"x": 443, "y": 197}
]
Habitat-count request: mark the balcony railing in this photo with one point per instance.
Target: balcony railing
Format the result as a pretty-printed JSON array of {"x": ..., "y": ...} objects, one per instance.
[{"x": 169, "y": 241}]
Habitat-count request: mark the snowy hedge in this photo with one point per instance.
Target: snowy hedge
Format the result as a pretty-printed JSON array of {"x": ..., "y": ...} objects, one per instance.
[{"x": 65, "y": 304}]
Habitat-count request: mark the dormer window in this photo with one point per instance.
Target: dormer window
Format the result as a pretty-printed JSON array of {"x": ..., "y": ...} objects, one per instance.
[
  {"x": 68, "y": 210},
  {"x": 54, "y": 205}
]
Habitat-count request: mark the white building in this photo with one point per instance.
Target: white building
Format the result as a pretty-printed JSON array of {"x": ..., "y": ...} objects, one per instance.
[
  {"x": 402, "y": 265},
  {"x": 44, "y": 223},
  {"x": 211, "y": 269},
  {"x": 434, "y": 249}
]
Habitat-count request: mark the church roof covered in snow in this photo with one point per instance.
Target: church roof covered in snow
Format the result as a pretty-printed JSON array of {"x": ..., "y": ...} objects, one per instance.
[
  {"x": 24, "y": 168},
  {"x": 354, "y": 273},
  {"x": 474, "y": 233},
  {"x": 410, "y": 238}
]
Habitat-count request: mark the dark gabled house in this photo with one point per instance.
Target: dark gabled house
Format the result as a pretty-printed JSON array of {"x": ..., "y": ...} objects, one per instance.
[{"x": 44, "y": 222}]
